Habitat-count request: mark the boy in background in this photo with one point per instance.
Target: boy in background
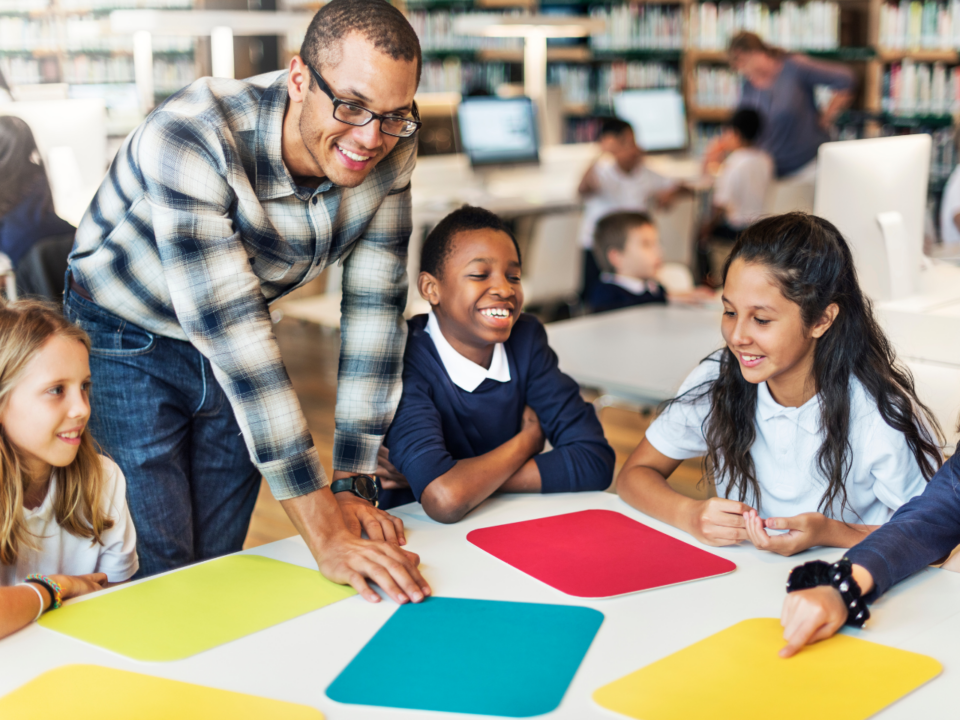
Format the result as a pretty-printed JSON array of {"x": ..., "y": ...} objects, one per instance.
[
  {"x": 627, "y": 249},
  {"x": 744, "y": 178},
  {"x": 617, "y": 180},
  {"x": 482, "y": 392}
]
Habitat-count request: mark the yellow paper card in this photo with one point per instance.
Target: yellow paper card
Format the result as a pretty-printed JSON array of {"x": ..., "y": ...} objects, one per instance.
[
  {"x": 177, "y": 615},
  {"x": 89, "y": 692},
  {"x": 737, "y": 674}
]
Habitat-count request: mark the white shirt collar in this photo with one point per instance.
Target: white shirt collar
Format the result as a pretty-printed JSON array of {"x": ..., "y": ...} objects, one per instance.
[
  {"x": 630, "y": 284},
  {"x": 465, "y": 373},
  {"x": 806, "y": 416}
]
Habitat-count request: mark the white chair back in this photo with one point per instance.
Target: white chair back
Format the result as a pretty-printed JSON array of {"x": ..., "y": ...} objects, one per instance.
[
  {"x": 553, "y": 263},
  {"x": 676, "y": 227}
]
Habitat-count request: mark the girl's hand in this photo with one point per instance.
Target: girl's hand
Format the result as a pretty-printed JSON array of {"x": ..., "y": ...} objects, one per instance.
[
  {"x": 804, "y": 532},
  {"x": 72, "y": 586},
  {"x": 719, "y": 522},
  {"x": 811, "y": 615}
]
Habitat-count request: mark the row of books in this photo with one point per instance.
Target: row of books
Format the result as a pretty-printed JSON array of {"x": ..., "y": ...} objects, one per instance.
[
  {"x": 812, "y": 26},
  {"x": 633, "y": 27},
  {"x": 170, "y": 75},
  {"x": 23, "y": 6},
  {"x": 78, "y": 69},
  {"x": 452, "y": 75},
  {"x": 23, "y": 70},
  {"x": 716, "y": 87},
  {"x": 74, "y": 34},
  {"x": 920, "y": 25},
  {"x": 911, "y": 88},
  {"x": 436, "y": 32},
  {"x": 104, "y": 5}
]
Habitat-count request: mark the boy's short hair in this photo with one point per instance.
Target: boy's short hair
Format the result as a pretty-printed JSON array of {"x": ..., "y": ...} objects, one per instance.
[
  {"x": 613, "y": 126},
  {"x": 611, "y": 234},
  {"x": 747, "y": 123},
  {"x": 439, "y": 242}
]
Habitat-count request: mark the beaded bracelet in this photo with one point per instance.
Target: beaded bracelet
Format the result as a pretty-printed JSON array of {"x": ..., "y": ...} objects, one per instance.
[
  {"x": 52, "y": 587},
  {"x": 838, "y": 576}
]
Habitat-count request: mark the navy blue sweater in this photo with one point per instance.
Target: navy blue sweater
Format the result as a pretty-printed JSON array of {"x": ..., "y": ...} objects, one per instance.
[
  {"x": 921, "y": 532},
  {"x": 608, "y": 296},
  {"x": 438, "y": 423}
]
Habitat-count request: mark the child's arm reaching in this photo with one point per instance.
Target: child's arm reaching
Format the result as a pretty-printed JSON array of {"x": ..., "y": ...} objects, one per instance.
[
  {"x": 509, "y": 467},
  {"x": 805, "y": 531},
  {"x": 20, "y": 605},
  {"x": 817, "y": 613},
  {"x": 642, "y": 483}
]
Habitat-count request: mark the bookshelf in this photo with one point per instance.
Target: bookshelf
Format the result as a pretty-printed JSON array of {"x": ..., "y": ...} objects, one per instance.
[{"x": 70, "y": 42}]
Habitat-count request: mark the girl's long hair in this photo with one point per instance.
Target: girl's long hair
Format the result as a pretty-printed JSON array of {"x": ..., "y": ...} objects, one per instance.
[
  {"x": 21, "y": 169},
  {"x": 813, "y": 267},
  {"x": 25, "y": 327}
]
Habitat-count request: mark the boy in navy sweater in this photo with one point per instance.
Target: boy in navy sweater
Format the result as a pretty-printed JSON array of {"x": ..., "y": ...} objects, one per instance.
[
  {"x": 627, "y": 249},
  {"x": 481, "y": 388}
]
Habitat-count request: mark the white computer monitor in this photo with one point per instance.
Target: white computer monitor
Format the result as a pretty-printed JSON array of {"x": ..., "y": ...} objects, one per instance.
[
  {"x": 875, "y": 192},
  {"x": 498, "y": 131},
  {"x": 658, "y": 117}
]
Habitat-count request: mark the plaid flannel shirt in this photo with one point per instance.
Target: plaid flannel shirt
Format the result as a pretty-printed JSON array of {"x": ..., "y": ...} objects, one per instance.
[{"x": 198, "y": 226}]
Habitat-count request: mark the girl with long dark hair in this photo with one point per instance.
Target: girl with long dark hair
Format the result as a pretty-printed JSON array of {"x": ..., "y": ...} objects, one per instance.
[{"x": 805, "y": 420}]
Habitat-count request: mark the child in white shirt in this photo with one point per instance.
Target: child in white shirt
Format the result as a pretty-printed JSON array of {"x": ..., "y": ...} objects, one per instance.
[
  {"x": 804, "y": 417},
  {"x": 65, "y": 529}
]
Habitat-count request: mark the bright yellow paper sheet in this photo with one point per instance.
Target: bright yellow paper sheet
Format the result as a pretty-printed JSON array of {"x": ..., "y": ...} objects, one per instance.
[
  {"x": 200, "y": 607},
  {"x": 89, "y": 692},
  {"x": 737, "y": 674}
]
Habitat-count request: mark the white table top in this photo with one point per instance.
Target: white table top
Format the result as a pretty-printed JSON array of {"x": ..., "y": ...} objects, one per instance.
[
  {"x": 296, "y": 660},
  {"x": 642, "y": 353}
]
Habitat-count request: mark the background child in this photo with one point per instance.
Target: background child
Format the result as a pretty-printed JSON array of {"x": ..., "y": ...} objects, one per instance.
[
  {"x": 481, "y": 388},
  {"x": 804, "y": 416},
  {"x": 63, "y": 509},
  {"x": 627, "y": 250},
  {"x": 617, "y": 180},
  {"x": 922, "y": 532}
]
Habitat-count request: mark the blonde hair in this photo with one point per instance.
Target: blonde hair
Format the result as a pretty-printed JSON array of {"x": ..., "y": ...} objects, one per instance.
[{"x": 25, "y": 327}]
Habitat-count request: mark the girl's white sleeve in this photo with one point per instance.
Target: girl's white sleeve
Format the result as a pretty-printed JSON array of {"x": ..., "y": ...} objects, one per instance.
[
  {"x": 895, "y": 472},
  {"x": 678, "y": 431},
  {"x": 118, "y": 554}
]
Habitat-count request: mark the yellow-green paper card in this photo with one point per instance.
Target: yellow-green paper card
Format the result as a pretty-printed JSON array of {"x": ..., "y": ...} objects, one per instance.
[
  {"x": 178, "y": 615},
  {"x": 737, "y": 675},
  {"x": 89, "y": 692}
]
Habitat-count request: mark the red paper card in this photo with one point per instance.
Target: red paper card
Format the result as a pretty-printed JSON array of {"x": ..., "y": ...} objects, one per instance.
[{"x": 597, "y": 554}]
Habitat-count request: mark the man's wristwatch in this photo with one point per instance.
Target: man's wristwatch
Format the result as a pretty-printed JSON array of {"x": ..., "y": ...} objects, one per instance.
[{"x": 363, "y": 486}]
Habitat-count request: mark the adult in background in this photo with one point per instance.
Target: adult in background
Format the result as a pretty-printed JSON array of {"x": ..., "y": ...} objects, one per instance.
[
  {"x": 228, "y": 196},
  {"x": 780, "y": 87}
]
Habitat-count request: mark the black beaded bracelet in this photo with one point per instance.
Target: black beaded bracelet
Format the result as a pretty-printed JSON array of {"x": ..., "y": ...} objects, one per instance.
[{"x": 839, "y": 576}]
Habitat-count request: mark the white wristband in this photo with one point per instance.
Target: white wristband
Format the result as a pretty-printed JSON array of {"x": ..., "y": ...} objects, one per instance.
[{"x": 33, "y": 586}]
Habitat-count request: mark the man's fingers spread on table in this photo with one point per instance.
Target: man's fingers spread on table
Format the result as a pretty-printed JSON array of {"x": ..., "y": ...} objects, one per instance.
[
  {"x": 402, "y": 576},
  {"x": 371, "y": 525},
  {"x": 357, "y": 582},
  {"x": 382, "y": 577},
  {"x": 398, "y": 529}
]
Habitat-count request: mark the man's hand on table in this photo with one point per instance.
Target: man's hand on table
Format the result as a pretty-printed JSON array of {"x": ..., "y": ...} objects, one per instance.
[
  {"x": 358, "y": 514},
  {"x": 345, "y": 558}
]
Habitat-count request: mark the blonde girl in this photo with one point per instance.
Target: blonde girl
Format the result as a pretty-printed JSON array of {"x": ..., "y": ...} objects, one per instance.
[{"x": 65, "y": 529}]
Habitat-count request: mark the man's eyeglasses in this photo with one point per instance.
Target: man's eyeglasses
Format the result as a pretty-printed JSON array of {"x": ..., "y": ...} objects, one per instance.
[{"x": 359, "y": 116}]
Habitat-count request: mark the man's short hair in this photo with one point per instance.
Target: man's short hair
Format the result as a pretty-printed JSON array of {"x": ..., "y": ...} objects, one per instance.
[
  {"x": 376, "y": 20},
  {"x": 747, "y": 123},
  {"x": 613, "y": 126},
  {"x": 439, "y": 243},
  {"x": 612, "y": 232}
]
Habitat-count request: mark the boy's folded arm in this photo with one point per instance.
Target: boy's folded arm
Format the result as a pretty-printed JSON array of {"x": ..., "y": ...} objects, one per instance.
[{"x": 472, "y": 480}]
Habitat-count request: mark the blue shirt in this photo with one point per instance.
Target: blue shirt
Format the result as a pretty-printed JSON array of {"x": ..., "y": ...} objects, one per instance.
[
  {"x": 31, "y": 220},
  {"x": 791, "y": 130},
  {"x": 921, "y": 532},
  {"x": 439, "y": 423}
]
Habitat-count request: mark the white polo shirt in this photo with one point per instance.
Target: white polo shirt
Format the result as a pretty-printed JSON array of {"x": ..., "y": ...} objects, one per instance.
[
  {"x": 465, "y": 373},
  {"x": 743, "y": 183},
  {"x": 61, "y": 553},
  {"x": 883, "y": 473},
  {"x": 619, "y": 192}
]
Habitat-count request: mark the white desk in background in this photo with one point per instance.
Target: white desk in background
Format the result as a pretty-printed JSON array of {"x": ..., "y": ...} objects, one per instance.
[
  {"x": 296, "y": 660},
  {"x": 640, "y": 354}
]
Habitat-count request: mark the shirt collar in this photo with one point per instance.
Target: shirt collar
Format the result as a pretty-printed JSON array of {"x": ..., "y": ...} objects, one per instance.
[
  {"x": 807, "y": 416},
  {"x": 634, "y": 285},
  {"x": 273, "y": 178},
  {"x": 465, "y": 373}
]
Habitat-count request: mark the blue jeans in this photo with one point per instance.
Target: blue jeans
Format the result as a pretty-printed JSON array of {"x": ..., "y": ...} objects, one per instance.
[{"x": 162, "y": 416}]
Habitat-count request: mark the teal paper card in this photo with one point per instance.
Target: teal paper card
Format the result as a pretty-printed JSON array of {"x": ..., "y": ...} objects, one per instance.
[{"x": 472, "y": 656}]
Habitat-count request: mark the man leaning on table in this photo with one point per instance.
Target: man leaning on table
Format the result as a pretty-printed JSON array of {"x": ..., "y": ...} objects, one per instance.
[{"x": 229, "y": 195}]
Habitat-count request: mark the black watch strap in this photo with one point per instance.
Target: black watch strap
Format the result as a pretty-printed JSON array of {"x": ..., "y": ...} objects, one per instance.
[{"x": 363, "y": 486}]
